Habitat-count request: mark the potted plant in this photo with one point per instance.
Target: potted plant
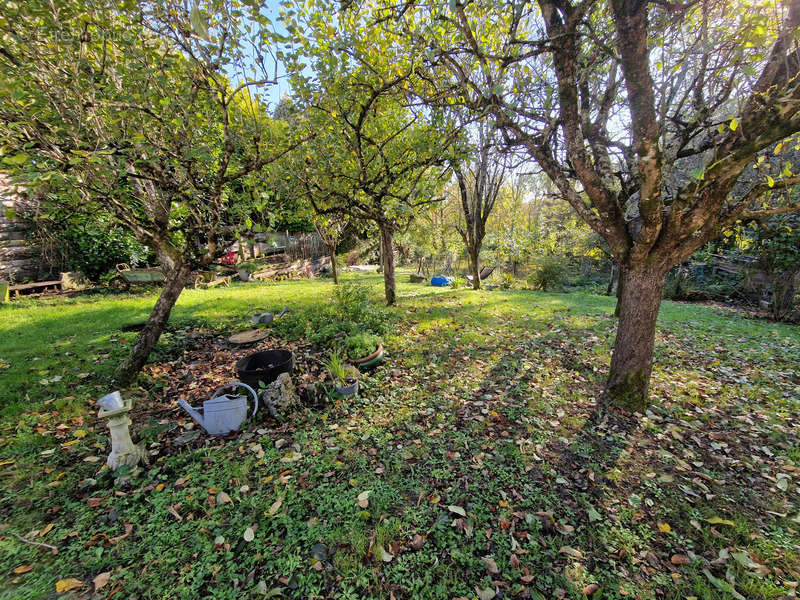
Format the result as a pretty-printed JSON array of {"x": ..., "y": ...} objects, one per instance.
[
  {"x": 344, "y": 376},
  {"x": 246, "y": 270},
  {"x": 364, "y": 350}
]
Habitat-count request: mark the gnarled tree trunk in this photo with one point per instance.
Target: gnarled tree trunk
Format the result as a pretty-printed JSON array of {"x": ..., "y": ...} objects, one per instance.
[
  {"x": 148, "y": 337},
  {"x": 474, "y": 266},
  {"x": 387, "y": 262},
  {"x": 632, "y": 361}
]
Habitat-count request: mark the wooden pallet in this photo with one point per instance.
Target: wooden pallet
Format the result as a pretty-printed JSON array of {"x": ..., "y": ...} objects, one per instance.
[{"x": 43, "y": 286}]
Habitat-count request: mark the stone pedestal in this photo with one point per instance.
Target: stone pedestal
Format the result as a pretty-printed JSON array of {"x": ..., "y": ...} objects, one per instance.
[{"x": 123, "y": 450}]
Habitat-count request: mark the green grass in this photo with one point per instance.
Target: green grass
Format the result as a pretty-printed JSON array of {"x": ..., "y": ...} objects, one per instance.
[{"x": 487, "y": 403}]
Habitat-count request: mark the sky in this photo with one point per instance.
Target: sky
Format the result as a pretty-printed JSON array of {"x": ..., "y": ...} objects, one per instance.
[{"x": 273, "y": 93}]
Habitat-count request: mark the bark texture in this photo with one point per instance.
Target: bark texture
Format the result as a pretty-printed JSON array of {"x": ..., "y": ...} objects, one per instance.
[
  {"x": 632, "y": 361},
  {"x": 334, "y": 268},
  {"x": 474, "y": 266},
  {"x": 387, "y": 262},
  {"x": 148, "y": 337}
]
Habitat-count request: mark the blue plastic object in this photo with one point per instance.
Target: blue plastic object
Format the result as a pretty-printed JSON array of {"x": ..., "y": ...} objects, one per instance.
[{"x": 440, "y": 281}]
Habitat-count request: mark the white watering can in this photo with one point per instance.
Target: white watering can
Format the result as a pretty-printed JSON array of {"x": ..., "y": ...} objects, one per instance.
[{"x": 222, "y": 414}]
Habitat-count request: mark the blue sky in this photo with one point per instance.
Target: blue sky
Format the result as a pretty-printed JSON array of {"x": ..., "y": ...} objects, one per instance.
[{"x": 270, "y": 93}]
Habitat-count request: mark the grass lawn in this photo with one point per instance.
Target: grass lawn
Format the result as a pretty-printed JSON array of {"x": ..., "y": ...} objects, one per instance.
[{"x": 490, "y": 468}]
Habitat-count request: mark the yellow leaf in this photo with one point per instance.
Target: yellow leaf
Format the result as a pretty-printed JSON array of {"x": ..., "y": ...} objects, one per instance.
[
  {"x": 664, "y": 527},
  {"x": 66, "y": 585},
  {"x": 159, "y": 487},
  {"x": 770, "y": 181},
  {"x": 719, "y": 521},
  {"x": 734, "y": 124},
  {"x": 23, "y": 569},
  {"x": 79, "y": 433},
  {"x": 44, "y": 531}
]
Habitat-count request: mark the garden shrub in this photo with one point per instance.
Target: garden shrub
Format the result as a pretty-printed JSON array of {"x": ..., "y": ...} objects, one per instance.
[
  {"x": 94, "y": 250},
  {"x": 549, "y": 272},
  {"x": 354, "y": 308},
  {"x": 507, "y": 281}
]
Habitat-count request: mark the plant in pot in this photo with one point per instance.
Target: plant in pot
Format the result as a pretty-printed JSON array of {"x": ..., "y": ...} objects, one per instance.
[
  {"x": 246, "y": 270},
  {"x": 364, "y": 349},
  {"x": 343, "y": 375}
]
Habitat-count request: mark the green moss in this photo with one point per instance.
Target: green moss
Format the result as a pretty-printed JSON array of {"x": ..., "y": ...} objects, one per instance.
[{"x": 631, "y": 391}]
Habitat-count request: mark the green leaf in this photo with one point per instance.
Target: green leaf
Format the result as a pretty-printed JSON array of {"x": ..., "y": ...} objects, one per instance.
[
  {"x": 199, "y": 24},
  {"x": 698, "y": 174},
  {"x": 593, "y": 514},
  {"x": 770, "y": 181},
  {"x": 723, "y": 585},
  {"x": 20, "y": 158},
  {"x": 720, "y": 521},
  {"x": 458, "y": 510}
]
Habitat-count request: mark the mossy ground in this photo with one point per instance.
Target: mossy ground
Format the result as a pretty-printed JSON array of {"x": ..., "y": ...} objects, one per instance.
[{"x": 490, "y": 465}]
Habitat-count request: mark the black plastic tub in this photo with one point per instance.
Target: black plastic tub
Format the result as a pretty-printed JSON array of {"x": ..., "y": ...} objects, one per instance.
[{"x": 264, "y": 366}]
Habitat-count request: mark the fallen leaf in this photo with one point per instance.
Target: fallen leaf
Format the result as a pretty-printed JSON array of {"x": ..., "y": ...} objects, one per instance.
[
  {"x": 486, "y": 593},
  {"x": 719, "y": 521},
  {"x": 491, "y": 565},
  {"x": 128, "y": 530},
  {"x": 570, "y": 551},
  {"x": 65, "y": 585},
  {"x": 363, "y": 499},
  {"x": 664, "y": 527},
  {"x": 174, "y": 513},
  {"x": 223, "y": 498},
  {"x": 101, "y": 580},
  {"x": 458, "y": 510},
  {"x": 23, "y": 569},
  {"x": 743, "y": 558},
  {"x": 275, "y": 507},
  {"x": 723, "y": 585},
  {"x": 590, "y": 589},
  {"x": 383, "y": 554},
  {"x": 418, "y": 541},
  {"x": 249, "y": 535},
  {"x": 679, "y": 559},
  {"x": 44, "y": 531},
  {"x": 564, "y": 529}
]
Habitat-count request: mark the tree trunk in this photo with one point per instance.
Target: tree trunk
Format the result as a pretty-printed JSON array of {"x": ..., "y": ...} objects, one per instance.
[
  {"x": 475, "y": 268},
  {"x": 148, "y": 337},
  {"x": 334, "y": 269},
  {"x": 619, "y": 291},
  {"x": 387, "y": 262},
  {"x": 632, "y": 361},
  {"x": 611, "y": 278}
]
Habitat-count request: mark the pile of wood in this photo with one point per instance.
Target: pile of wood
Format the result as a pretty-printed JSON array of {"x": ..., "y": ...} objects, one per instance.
[{"x": 297, "y": 268}]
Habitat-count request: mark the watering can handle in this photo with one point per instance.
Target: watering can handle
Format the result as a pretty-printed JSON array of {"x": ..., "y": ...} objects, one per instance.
[{"x": 239, "y": 384}]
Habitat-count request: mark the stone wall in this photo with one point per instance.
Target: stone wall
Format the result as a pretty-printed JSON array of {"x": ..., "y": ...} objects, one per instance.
[{"x": 18, "y": 260}]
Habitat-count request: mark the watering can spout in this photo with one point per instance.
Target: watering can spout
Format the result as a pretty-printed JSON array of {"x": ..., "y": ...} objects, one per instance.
[{"x": 194, "y": 413}]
